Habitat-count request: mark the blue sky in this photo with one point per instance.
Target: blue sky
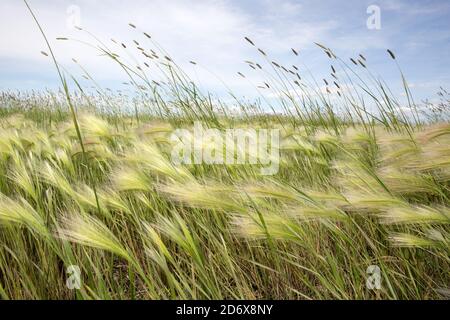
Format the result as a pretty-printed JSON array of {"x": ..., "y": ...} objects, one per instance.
[{"x": 211, "y": 33}]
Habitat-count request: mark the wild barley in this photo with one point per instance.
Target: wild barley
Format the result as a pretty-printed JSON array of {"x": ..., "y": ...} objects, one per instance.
[
  {"x": 130, "y": 179},
  {"x": 348, "y": 177},
  {"x": 416, "y": 215},
  {"x": 89, "y": 231},
  {"x": 409, "y": 240},
  {"x": 20, "y": 212},
  {"x": 209, "y": 196}
]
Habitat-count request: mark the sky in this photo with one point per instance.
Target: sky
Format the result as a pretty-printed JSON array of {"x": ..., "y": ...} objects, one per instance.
[{"x": 211, "y": 32}]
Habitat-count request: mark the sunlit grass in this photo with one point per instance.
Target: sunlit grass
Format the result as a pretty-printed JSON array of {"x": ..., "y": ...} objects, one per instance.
[{"x": 84, "y": 182}]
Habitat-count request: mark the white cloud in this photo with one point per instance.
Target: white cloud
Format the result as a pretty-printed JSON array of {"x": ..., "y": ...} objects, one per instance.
[{"x": 209, "y": 32}]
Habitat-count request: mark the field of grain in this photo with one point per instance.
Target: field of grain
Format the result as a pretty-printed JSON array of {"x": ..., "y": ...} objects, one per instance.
[{"x": 91, "y": 186}]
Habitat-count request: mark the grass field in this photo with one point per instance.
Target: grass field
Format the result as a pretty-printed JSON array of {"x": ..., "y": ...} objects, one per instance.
[{"x": 85, "y": 183}]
